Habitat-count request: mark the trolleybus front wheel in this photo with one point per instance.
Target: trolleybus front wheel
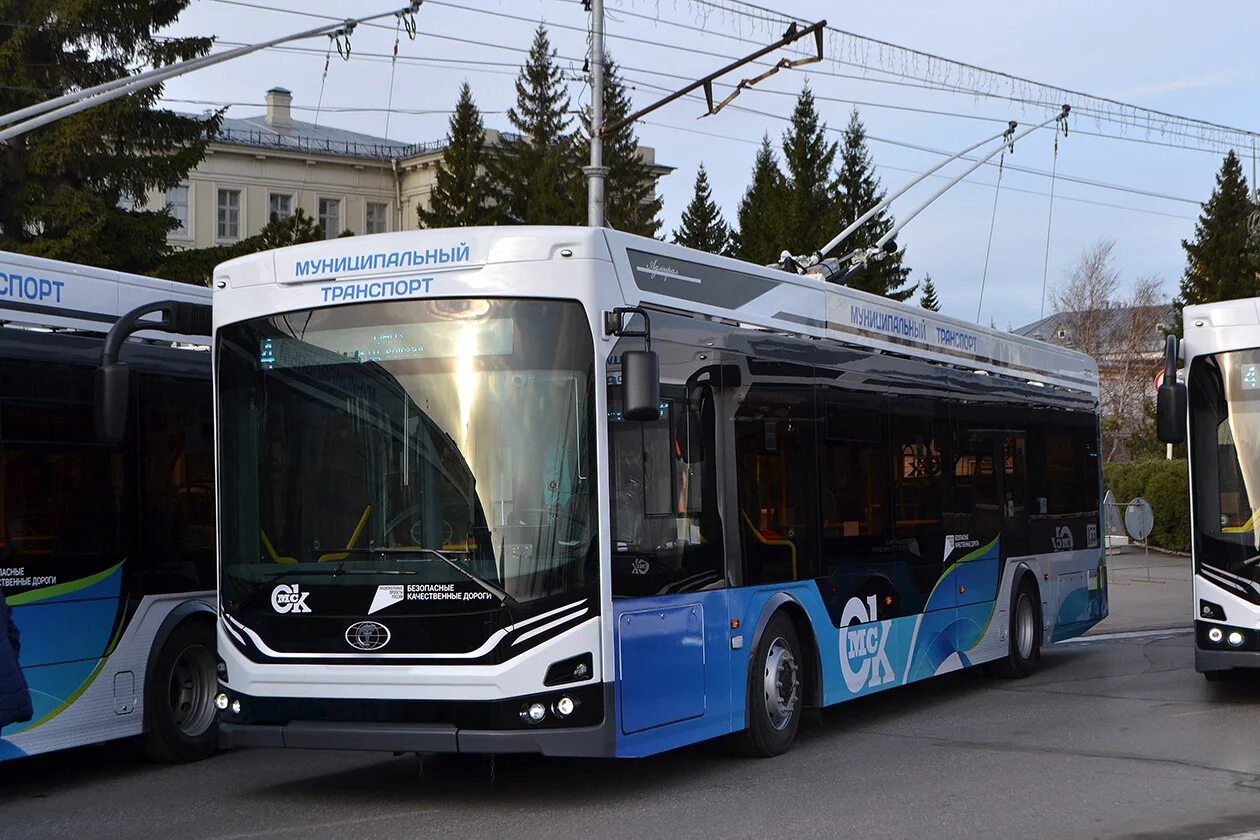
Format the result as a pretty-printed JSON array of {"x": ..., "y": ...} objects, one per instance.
[
  {"x": 775, "y": 688},
  {"x": 181, "y": 722}
]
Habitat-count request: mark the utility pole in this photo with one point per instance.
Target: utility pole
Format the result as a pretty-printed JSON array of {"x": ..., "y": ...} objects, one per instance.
[{"x": 596, "y": 173}]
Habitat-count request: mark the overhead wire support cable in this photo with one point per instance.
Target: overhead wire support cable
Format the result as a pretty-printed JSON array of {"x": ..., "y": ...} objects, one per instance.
[{"x": 27, "y": 119}]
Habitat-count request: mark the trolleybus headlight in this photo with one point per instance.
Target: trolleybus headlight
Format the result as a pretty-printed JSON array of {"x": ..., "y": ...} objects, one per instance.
[
  {"x": 1215, "y": 635},
  {"x": 221, "y": 701},
  {"x": 1235, "y": 638},
  {"x": 565, "y": 706},
  {"x": 533, "y": 713}
]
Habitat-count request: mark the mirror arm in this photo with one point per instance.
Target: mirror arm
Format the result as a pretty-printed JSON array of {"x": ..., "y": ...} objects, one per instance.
[{"x": 615, "y": 324}]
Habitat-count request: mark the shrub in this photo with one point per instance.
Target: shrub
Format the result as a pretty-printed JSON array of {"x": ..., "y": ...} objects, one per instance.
[{"x": 1163, "y": 483}]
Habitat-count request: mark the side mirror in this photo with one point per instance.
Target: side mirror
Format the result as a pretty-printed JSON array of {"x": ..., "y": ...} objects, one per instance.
[
  {"x": 112, "y": 382},
  {"x": 1170, "y": 412},
  {"x": 640, "y": 385},
  {"x": 1170, "y": 400}
]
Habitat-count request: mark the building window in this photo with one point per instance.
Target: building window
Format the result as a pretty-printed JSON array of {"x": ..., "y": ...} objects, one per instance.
[
  {"x": 281, "y": 206},
  {"x": 330, "y": 217},
  {"x": 177, "y": 203},
  {"x": 377, "y": 214},
  {"x": 229, "y": 221}
]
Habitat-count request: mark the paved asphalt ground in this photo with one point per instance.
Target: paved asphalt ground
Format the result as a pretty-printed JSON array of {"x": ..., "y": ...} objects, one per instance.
[{"x": 1115, "y": 736}]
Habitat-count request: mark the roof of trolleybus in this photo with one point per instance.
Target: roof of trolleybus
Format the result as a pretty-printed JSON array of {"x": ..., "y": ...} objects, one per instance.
[
  {"x": 1224, "y": 325},
  {"x": 557, "y": 262}
]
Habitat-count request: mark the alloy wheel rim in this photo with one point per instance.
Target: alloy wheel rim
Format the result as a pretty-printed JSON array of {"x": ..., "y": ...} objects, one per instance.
[{"x": 781, "y": 684}]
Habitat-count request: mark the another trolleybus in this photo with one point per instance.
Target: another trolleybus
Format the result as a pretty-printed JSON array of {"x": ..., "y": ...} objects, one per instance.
[
  {"x": 1219, "y": 404},
  {"x": 106, "y": 550},
  {"x": 576, "y": 492}
]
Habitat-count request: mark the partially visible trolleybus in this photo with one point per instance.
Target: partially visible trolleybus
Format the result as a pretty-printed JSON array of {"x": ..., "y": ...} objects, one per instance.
[
  {"x": 576, "y": 492},
  {"x": 106, "y": 550},
  {"x": 1220, "y": 352}
]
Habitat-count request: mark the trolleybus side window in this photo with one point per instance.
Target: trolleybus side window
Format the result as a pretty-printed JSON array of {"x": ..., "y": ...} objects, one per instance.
[{"x": 777, "y": 468}]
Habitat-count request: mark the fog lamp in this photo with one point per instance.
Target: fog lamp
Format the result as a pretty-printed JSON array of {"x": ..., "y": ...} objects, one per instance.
[
  {"x": 534, "y": 713},
  {"x": 221, "y": 701},
  {"x": 565, "y": 706},
  {"x": 236, "y": 707},
  {"x": 1235, "y": 638}
]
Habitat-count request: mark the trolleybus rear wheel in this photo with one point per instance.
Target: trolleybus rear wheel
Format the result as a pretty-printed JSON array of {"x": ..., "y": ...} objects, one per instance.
[
  {"x": 181, "y": 722},
  {"x": 1024, "y": 637},
  {"x": 775, "y": 689}
]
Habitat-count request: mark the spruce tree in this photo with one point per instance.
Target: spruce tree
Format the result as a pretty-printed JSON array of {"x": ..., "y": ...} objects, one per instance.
[
  {"x": 759, "y": 238},
  {"x": 929, "y": 300},
  {"x": 810, "y": 215},
  {"x": 630, "y": 200},
  {"x": 702, "y": 225},
  {"x": 1221, "y": 261},
  {"x": 860, "y": 191},
  {"x": 64, "y": 183},
  {"x": 460, "y": 196},
  {"x": 536, "y": 177}
]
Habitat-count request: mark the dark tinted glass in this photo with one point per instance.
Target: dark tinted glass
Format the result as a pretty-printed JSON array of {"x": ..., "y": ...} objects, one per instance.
[{"x": 776, "y": 465}]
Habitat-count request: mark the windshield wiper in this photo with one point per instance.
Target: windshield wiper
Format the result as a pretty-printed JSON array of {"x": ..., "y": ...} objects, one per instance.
[{"x": 493, "y": 588}]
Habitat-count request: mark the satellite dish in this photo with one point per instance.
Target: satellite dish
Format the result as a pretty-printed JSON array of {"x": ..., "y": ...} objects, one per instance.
[{"x": 1139, "y": 519}]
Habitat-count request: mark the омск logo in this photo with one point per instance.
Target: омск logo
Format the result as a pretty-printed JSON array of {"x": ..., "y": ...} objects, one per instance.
[
  {"x": 367, "y": 635},
  {"x": 863, "y": 646}
]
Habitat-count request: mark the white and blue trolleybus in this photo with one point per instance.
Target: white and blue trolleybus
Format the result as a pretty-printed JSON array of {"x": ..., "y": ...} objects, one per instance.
[
  {"x": 576, "y": 492},
  {"x": 1218, "y": 402},
  {"x": 106, "y": 547}
]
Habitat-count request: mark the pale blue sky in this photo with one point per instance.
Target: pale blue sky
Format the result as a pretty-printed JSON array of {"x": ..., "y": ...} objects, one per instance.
[{"x": 1194, "y": 60}]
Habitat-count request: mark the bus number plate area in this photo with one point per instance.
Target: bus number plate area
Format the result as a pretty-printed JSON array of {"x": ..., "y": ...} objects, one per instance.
[{"x": 661, "y": 661}]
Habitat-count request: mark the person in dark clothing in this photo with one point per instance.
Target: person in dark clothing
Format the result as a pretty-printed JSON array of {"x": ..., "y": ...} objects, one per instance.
[{"x": 15, "y": 697}]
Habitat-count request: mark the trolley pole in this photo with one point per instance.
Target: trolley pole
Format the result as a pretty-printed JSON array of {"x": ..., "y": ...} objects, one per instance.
[{"x": 596, "y": 173}]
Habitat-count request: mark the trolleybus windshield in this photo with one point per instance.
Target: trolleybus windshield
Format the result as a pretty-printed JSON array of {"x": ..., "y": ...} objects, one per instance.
[{"x": 444, "y": 445}]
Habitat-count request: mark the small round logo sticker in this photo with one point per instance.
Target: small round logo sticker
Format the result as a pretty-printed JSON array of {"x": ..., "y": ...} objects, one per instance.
[{"x": 367, "y": 635}]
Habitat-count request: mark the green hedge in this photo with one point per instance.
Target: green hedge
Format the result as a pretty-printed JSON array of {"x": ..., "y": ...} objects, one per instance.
[{"x": 1165, "y": 485}]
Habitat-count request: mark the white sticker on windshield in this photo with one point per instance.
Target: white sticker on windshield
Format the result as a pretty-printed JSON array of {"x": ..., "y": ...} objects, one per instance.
[
  {"x": 386, "y": 596},
  {"x": 287, "y": 598}
]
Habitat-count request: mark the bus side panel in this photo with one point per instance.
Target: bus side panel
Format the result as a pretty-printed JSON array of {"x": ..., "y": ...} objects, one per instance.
[
  {"x": 99, "y": 699},
  {"x": 673, "y": 664}
]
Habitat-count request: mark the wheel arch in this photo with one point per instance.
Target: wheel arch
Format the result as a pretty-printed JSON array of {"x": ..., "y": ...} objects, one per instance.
[
  {"x": 1024, "y": 573},
  {"x": 194, "y": 609},
  {"x": 787, "y": 603}
]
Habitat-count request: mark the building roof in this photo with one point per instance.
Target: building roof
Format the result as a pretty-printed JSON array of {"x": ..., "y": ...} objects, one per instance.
[
  {"x": 318, "y": 139},
  {"x": 1057, "y": 328}
]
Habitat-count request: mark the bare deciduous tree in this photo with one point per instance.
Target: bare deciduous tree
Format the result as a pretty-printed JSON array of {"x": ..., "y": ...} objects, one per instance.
[{"x": 1121, "y": 331}]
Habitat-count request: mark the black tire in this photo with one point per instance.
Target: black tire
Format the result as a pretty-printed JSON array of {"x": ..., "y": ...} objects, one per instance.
[
  {"x": 776, "y": 689},
  {"x": 1023, "y": 635},
  {"x": 181, "y": 721}
]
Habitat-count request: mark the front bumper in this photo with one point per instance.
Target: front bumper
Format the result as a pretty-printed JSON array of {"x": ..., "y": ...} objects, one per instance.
[{"x": 594, "y": 741}]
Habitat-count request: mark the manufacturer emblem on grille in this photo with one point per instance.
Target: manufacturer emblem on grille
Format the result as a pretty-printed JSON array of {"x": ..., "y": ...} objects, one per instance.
[{"x": 367, "y": 635}]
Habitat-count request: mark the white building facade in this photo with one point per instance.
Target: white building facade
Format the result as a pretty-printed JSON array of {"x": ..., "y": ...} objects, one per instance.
[{"x": 273, "y": 164}]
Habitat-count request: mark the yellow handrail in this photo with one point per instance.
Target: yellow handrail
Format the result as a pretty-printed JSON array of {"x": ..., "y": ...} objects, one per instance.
[
  {"x": 762, "y": 539},
  {"x": 271, "y": 549},
  {"x": 334, "y": 556}
]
